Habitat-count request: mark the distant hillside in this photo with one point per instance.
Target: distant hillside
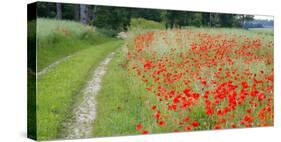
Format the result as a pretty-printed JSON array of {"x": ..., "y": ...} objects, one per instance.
[{"x": 258, "y": 24}]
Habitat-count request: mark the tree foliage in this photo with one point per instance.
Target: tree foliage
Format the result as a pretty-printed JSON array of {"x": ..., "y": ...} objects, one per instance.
[{"x": 118, "y": 18}]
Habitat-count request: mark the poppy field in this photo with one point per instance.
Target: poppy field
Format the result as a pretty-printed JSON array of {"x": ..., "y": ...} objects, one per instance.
[
  {"x": 203, "y": 79},
  {"x": 100, "y": 70}
]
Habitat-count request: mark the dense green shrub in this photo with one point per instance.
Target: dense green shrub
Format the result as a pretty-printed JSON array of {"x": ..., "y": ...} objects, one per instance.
[{"x": 140, "y": 23}]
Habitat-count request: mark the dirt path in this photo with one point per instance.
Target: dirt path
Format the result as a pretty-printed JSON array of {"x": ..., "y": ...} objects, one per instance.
[
  {"x": 45, "y": 70},
  {"x": 84, "y": 113}
]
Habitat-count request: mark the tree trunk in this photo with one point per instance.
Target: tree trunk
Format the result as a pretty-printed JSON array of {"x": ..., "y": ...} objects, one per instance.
[
  {"x": 84, "y": 14},
  {"x": 94, "y": 13},
  {"x": 243, "y": 21},
  {"x": 76, "y": 12},
  {"x": 210, "y": 19},
  {"x": 59, "y": 11},
  {"x": 90, "y": 14}
]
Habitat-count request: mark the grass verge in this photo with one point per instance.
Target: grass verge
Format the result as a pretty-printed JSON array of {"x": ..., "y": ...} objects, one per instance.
[{"x": 121, "y": 101}]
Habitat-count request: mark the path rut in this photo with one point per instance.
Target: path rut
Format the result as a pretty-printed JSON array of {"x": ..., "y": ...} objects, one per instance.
[
  {"x": 45, "y": 70},
  {"x": 81, "y": 123}
]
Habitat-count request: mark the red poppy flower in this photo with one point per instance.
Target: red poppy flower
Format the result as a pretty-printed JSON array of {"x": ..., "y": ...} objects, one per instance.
[
  {"x": 245, "y": 84},
  {"x": 153, "y": 107},
  {"x": 139, "y": 127},
  {"x": 186, "y": 119},
  {"x": 195, "y": 123},
  {"x": 161, "y": 123},
  {"x": 186, "y": 92},
  {"x": 145, "y": 132},
  {"x": 233, "y": 125},
  {"x": 187, "y": 128},
  {"x": 217, "y": 126},
  {"x": 157, "y": 114},
  {"x": 176, "y": 130},
  {"x": 209, "y": 111}
]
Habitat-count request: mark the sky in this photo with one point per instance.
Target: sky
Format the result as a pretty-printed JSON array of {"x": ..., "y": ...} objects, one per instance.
[{"x": 264, "y": 17}]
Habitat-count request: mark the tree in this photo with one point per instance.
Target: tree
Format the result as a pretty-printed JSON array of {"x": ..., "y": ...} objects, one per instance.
[
  {"x": 46, "y": 10},
  {"x": 118, "y": 18},
  {"x": 206, "y": 19},
  {"x": 84, "y": 13},
  {"x": 59, "y": 11},
  {"x": 112, "y": 18},
  {"x": 76, "y": 12},
  {"x": 244, "y": 18},
  {"x": 164, "y": 18},
  {"x": 228, "y": 20},
  {"x": 91, "y": 13},
  {"x": 196, "y": 19},
  {"x": 170, "y": 18},
  {"x": 215, "y": 20},
  {"x": 225, "y": 20},
  {"x": 150, "y": 14}
]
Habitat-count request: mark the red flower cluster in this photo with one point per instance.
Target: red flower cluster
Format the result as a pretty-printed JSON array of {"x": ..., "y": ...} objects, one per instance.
[
  {"x": 203, "y": 81},
  {"x": 139, "y": 127}
]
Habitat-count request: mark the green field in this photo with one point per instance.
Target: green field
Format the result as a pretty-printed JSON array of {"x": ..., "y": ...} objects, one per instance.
[
  {"x": 125, "y": 101},
  {"x": 57, "y": 89},
  {"x": 265, "y": 31}
]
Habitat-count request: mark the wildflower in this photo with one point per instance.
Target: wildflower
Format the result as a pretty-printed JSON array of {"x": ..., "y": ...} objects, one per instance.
[
  {"x": 145, "y": 132},
  {"x": 195, "y": 123},
  {"x": 187, "y": 128},
  {"x": 139, "y": 127},
  {"x": 161, "y": 123},
  {"x": 217, "y": 126}
]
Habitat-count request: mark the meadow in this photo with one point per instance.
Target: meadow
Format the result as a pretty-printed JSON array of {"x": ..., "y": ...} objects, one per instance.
[
  {"x": 159, "y": 80},
  {"x": 188, "y": 79}
]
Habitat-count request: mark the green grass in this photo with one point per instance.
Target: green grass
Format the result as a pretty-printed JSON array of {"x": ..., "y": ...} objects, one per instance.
[
  {"x": 57, "y": 89},
  {"x": 119, "y": 103},
  {"x": 263, "y": 31},
  {"x": 59, "y": 38}
]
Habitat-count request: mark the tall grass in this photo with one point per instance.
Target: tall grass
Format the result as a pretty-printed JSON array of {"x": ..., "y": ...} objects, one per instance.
[
  {"x": 46, "y": 27},
  {"x": 59, "y": 38}
]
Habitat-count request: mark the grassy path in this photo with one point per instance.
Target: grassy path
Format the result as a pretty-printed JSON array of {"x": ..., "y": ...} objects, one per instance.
[
  {"x": 84, "y": 113},
  {"x": 120, "y": 101},
  {"x": 58, "y": 89}
]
